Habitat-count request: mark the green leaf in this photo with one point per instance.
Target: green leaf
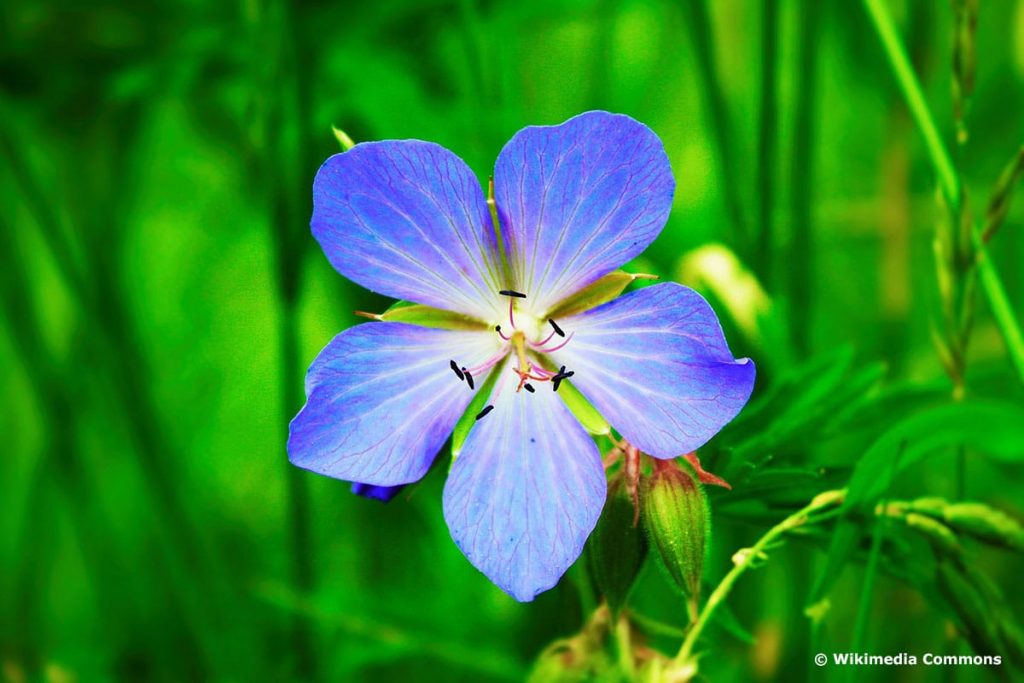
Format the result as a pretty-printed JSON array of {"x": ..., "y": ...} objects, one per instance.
[
  {"x": 726, "y": 618},
  {"x": 597, "y": 293},
  {"x": 425, "y": 316},
  {"x": 993, "y": 427},
  {"x": 584, "y": 410},
  {"x": 468, "y": 419}
]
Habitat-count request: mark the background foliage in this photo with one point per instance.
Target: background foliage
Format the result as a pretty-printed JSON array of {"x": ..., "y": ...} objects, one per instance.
[{"x": 162, "y": 297}]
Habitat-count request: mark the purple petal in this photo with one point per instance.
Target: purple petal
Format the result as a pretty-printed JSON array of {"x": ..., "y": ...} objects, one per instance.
[
  {"x": 382, "y": 400},
  {"x": 408, "y": 219},
  {"x": 655, "y": 363},
  {"x": 578, "y": 200},
  {"x": 525, "y": 492},
  {"x": 381, "y": 493}
]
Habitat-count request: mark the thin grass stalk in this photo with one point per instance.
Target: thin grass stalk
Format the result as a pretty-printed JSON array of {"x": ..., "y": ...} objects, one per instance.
[
  {"x": 949, "y": 182},
  {"x": 767, "y": 138}
]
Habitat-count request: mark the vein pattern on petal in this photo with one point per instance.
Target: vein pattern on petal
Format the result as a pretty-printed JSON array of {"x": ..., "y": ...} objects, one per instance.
[
  {"x": 525, "y": 492},
  {"x": 382, "y": 400},
  {"x": 578, "y": 200},
  {"x": 656, "y": 365},
  {"x": 408, "y": 219}
]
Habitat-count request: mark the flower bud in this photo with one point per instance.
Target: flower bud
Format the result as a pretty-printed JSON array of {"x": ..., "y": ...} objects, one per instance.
[
  {"x": 381, "y": 493},
  {"x": 678, "y": 524},
  {"x": 617, "y": 548}
]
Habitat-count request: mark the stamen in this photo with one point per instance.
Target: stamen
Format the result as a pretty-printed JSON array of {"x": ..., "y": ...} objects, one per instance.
[
  {"x": 484, "y": 412},
  {"x": 455, "y": 369},
  {"x": 555, "y": 348},
  {"x": 562, "y": 374},
  {"x": 543, "y": 372},
  {"x": 528, "y": 387},
  {"x": 489, "y": 363},
  {"x": 558, "y": 330},
  {"x": 512, "y": 292},
  {"x": 469, "y": 378},
  {"x": 497, "y": 328},
  {"x": 511, "y": 316},
  {"x": 537, "y": 345}
]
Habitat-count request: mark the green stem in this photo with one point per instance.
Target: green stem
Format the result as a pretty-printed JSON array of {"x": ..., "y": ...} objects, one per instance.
[
  {"x": 868, "y": 589},
  {"x": 624, "y": 648},
  {"x": 746, "y": 560},
  {"x": 949, "y": 182},
  {"x": 699, "y": 24},
  {"x": 288, "y": 182}
]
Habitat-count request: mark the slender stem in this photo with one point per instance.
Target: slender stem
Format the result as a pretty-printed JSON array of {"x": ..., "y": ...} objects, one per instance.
[
  {"x": 801, "y": 172},
  {"x": 746, "y": 559},
  {"x": 949, "y": 182},
  {"x": 624, "y": 648}
]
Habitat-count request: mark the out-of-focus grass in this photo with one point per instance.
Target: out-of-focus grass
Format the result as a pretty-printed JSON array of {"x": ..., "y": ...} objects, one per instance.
[{"x": 162, "y": 298}]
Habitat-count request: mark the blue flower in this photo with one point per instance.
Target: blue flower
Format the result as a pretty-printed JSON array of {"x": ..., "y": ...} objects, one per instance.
[{"x": 409, "y": 220}]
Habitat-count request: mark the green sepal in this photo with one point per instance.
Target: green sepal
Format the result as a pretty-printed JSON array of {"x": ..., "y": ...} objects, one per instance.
[
  {"x": 617, "y": 548},
  {"x": 584, "y": 410},
  {"x": 602, "y": 291},
  {"x": 468, "y": 419},
  {"x": 425, "y": 316},
  {"x": 343, "y": 139}
]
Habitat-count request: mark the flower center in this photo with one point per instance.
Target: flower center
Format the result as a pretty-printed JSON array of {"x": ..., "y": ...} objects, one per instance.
[
  {"x": 526, "y": 335},
  {"x": 528, "y": 338}
]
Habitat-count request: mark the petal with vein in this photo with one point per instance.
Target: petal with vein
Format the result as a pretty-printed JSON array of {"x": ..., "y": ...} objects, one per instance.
[
  {"x": 382, "y": 400},
  {"x": 655, "y": 363},
  {"x": 525, "y": 492},
  {"x": 578, "y": 200},
  {"x": 408, "y": 219}
]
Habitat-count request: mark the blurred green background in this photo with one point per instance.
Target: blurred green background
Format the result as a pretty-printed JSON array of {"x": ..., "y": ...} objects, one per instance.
[{"x": 162, "y": 297}]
